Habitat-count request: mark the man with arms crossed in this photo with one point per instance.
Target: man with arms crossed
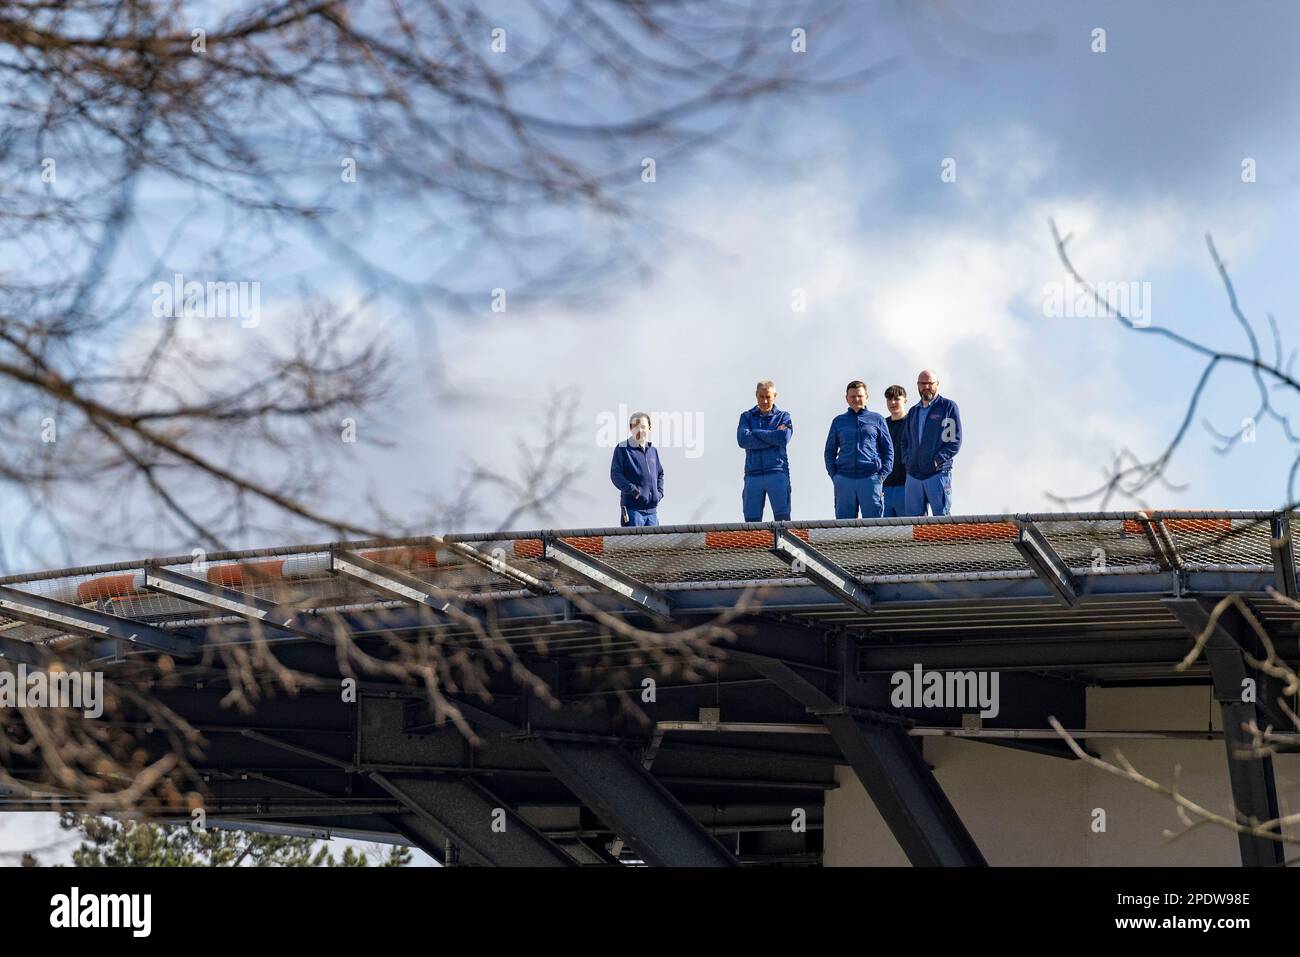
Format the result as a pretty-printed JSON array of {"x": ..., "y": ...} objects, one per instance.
[
  {"x": 764, "y": 432},
  {"x": 931, "y": 439},
  {"x": 858, "y": 455}
]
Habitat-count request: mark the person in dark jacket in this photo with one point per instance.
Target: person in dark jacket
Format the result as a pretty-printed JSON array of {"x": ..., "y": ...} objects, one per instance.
[
  {"x": 931, "y": 439},
  {"x": 896, "y": 480},
  {"x": 637, "y": 474},
  {"x": 858, "y": 455},
  {"x": 764, "y": 433}
]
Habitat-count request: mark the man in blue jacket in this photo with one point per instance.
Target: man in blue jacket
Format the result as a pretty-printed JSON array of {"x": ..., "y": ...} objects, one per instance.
[
  {"x": 858, "y": 455},
  {"x": 764, "y": 432},
  {"x": 931, "y": 439},
  {"x": 636, "y": 473}
]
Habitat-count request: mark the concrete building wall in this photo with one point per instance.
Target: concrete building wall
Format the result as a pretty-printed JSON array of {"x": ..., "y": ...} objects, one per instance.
[{"x": 1030, "y": 809}]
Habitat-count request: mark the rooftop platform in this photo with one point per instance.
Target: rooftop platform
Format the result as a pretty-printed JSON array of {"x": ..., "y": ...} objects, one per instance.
[{"x": 819, "y": 615}]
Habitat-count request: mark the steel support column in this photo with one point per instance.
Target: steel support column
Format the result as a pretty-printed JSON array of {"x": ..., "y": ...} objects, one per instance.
[
  {"x": 639, "y": 809},
  {"x": 485, "y": 828},
  {"x": 1283, "y": 548},
  {"x": 1254, "y": 791},
  {"x": 892, "y": 771}
]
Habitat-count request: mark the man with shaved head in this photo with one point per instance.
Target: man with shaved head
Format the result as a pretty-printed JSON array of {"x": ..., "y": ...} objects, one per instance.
[{"x": 931, "y": 440}]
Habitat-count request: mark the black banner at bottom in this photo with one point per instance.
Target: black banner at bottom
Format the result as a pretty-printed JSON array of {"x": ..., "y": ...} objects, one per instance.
[{"x": 369, "y": 905}]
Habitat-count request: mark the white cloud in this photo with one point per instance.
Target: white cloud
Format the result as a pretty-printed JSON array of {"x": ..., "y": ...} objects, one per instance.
[
  {"x": 956, "y": 286},
  {"x": 962, "y": 293}
]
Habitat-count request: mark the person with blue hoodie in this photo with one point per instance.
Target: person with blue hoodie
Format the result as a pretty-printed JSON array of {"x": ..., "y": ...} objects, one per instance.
[
  {"x": 859, "y": 455},
  {"x": 764, "y": 433},
  {"x": 637, "y": 474},
  {"x": 931, "y": 439}
]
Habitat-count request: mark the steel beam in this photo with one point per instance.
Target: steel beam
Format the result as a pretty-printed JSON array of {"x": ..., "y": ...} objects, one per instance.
[
  {"x": 324, "y": 832},
  {"x": 1161, "y": 542},
  {"x": 635, "y": 806},
  {"x": 608, "y": 579},
  {"x": 1026, "y": 653},
  {"x": 1233, "y": 636},
  {"x": 397, "y": 584},
  {"x": 298, "y": 749},
  {"x": 805, "y": 560},
  {"x": 892, "y": 771},
  {"x": 485, "y": 828},
  {"x": 499, "y": 566},
  {"x": 22, "y": 652},
  {"x": 1283, "y": 548},
  {"x": 905, "y": 791},
  {"x": 66, "y": 617},
  {"x": 221, "y": 598},
  {"x": 1051, "y": 570},
  {"x": 1254, "y": 790}
]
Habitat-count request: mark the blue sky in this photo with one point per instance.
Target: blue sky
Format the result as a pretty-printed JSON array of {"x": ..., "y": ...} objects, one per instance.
[{"x": 1136, "y": 151}]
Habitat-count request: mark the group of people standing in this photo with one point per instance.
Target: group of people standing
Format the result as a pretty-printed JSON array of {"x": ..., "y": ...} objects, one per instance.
[{"x": 879, "y": 467}]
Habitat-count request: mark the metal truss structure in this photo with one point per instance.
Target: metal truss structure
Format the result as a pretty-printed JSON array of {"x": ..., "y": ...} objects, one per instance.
[{"x": 1053, "y": 602}]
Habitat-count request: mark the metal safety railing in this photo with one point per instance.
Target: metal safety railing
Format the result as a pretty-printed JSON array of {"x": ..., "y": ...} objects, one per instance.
[{"x": 639, "y": 563}]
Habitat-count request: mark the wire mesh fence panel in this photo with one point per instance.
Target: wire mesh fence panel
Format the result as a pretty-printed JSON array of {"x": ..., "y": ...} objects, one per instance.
[
  {"x": 941, "y": 550},
  {"x": 704, "y": 557},
  {"x": 1100, "y": 547},
  {"x": 903, "y": 550},
  {"x": 1217, "y": 542}
]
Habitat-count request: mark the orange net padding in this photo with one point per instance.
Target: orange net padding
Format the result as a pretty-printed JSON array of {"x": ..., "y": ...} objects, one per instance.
[
  {"x": 110, "y": 586},
  {"x": 1134, "y": 527},
  {"x": 591, "y": 544},
  {"x": 966, "y": 531},
  {"x": 755, "y": 538},
  {"x": 253, "y": 573},
  {"x": 404, "y": 557},
  {"x": 528, "y": 548},
  {"x": 532, "y": 547}
]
